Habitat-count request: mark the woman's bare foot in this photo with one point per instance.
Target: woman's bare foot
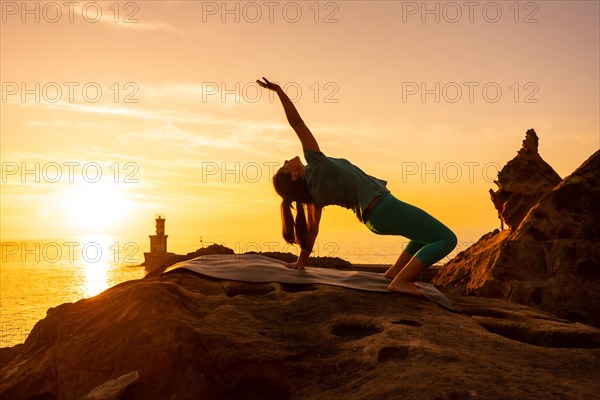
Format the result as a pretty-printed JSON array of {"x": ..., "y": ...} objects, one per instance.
[{"x": 406, "y": 287}]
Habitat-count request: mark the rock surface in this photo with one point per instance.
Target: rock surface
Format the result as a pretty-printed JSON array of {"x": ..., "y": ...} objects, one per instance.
[
  {"x": 184, "y": 336},
  {"x": 522, "y": 182},
  {"x": 551, "y": 260}
]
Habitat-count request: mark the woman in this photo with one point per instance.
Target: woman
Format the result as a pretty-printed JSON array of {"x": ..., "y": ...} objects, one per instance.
[{"x": 325, "y": 181}]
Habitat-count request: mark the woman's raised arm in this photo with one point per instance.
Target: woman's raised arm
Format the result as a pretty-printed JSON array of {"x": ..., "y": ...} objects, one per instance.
[{"x": 304, "y": 134}]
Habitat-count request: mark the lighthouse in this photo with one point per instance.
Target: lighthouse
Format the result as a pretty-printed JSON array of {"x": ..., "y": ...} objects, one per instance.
[
  {"x": 158, "y": 242},
  {"x": 158, "y": 256}
]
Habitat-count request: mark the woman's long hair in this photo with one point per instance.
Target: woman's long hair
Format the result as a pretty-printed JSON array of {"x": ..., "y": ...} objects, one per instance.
[{"x": 294, "y": 232}]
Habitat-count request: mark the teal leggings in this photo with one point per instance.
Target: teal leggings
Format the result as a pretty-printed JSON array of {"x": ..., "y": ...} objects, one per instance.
[{"x": 430, "y": 240}]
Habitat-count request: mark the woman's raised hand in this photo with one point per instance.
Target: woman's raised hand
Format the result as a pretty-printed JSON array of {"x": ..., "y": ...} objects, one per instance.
[{"x": 268, "y": 85}]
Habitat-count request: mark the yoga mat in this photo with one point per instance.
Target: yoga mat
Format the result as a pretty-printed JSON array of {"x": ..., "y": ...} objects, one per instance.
[{"x": 260, "y": 269}]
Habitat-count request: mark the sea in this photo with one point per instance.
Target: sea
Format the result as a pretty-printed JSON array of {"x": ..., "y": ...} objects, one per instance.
[{"x": 36, "y": 275}]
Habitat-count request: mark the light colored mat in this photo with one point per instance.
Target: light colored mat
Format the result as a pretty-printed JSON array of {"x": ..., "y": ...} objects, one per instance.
[{"x": 260, "y": 269}]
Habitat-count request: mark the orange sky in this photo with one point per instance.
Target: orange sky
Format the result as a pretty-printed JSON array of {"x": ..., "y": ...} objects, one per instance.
[{"x": 199, "y": 141}]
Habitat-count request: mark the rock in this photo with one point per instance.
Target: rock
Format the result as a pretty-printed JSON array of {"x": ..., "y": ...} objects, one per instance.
[
  {"x": 183, "y": 336},
  {"x": 8, "y": 353},
  {"x": 551, "y": 260},
  {"x": 112, "y": 389},
  {"x": 522, "y": 182}
]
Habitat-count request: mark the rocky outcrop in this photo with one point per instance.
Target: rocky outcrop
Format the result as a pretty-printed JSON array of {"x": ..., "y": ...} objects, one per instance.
[
  {"x": 522, "y": 182},
  {"x": 184, "y": 336},
  {"x": 550, "y": 259}
]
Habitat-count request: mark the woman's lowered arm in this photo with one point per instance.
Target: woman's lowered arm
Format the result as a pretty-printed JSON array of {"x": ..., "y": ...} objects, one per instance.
[{"x": 314, "y": 218}]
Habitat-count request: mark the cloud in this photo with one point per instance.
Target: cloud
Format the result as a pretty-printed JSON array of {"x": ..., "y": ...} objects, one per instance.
[{"x": 126, "y": 16}]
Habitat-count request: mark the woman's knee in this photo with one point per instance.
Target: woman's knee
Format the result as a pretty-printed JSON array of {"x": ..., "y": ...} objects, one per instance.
[
  {"x": 451, "y": 240},
  {"x": 445, "y": 237}
]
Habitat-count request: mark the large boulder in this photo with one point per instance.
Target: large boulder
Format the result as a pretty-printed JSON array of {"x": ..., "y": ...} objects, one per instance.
[
  {"x": 522, "y": 182},
  {"x": 550, "y": 259},
  {"x": 184, "y": 336}
]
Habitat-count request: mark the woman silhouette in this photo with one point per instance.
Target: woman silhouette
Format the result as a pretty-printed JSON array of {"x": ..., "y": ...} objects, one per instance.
[{"x": 334, "y": 181}]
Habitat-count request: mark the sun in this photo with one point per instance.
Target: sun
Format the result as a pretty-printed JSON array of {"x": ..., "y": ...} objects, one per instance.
[{"x": 95, "y": 208}]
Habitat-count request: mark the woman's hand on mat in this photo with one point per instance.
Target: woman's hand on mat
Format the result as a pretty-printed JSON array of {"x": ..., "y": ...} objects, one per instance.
[
  {"x": 268, "y": 85},
  {"x": 295, "y": 265}
]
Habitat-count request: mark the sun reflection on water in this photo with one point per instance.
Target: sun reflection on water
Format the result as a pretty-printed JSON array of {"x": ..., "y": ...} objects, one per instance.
[
  {"x": 96, "y": 259},
  {"x": 38, "y": 275}
]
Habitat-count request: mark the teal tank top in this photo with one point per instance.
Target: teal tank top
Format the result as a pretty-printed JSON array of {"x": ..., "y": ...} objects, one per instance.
[{"x": 336, "y": 181}]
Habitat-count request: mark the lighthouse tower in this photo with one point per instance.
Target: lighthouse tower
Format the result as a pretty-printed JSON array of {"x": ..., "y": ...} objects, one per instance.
[
  {"x": 158, "y": 256},
  {"x": 158, "y": 242}
]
